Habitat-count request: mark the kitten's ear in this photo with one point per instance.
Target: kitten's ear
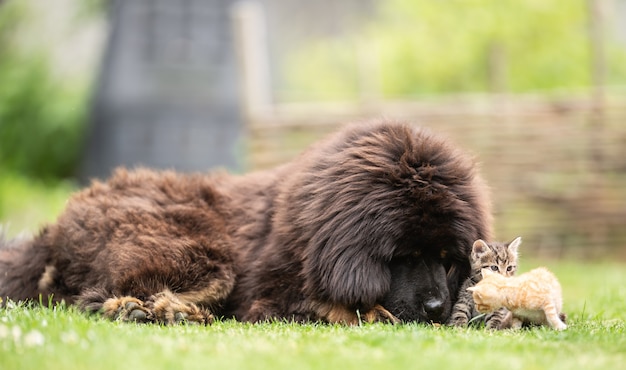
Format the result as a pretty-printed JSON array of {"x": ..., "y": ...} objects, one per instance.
[
  {"x": 486, "y": 272},
  {"x": 515, "y": 244},
  {"x": 472, "y": 288},
  {"x": 479, "y": 247}
]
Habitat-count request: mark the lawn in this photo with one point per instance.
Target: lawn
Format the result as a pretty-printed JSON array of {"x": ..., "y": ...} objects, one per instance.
[
  {"x": 61, "y": 338},
  {"x": 595, "y": 300}
]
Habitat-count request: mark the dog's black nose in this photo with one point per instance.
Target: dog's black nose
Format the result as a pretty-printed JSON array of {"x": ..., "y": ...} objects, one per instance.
[{"x": 434, "y": 309}]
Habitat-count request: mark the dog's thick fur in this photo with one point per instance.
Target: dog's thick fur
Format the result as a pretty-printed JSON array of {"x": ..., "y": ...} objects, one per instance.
[{"x": 374, "y": 223}]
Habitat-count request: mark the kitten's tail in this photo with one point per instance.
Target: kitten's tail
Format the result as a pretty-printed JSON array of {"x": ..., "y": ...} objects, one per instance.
[{"x": 22, "y": 266}]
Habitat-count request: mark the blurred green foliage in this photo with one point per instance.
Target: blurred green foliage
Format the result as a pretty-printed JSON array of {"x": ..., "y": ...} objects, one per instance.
[
  {"x": 26, "y": 204},
  {"x": 433, "y": 47},
  {"x": 41, "y": 117}
]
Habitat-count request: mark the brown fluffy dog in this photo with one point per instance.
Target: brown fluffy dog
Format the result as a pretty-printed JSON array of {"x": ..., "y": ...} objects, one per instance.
[{"x": 374, "y": 223}]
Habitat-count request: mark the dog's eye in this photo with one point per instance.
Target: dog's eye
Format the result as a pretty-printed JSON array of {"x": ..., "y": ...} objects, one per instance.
[{"x": 416, "y": 254}]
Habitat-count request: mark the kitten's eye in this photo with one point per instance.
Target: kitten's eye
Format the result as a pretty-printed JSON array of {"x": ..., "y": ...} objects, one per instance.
[
  {"x": 494, "y": 268},
  {"x": 510, "y": 268}
]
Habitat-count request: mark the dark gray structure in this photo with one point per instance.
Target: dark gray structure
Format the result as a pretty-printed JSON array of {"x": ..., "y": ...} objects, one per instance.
[{"x": 167, "y": 94}]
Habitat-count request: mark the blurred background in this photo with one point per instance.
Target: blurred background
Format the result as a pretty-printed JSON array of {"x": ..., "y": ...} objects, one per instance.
[{"x": 535, "y": 89}]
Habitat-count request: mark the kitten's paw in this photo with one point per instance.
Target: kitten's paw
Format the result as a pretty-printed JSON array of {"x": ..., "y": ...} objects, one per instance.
[
  {"x": 458, "y": 320},
  {"x": 556, "y": 320},
  {"x": 500, "y": 320},
  {"x": 516, "y": 323},
  {"x": 560, "y": 326},
  {"x": 495, "y": 325}
]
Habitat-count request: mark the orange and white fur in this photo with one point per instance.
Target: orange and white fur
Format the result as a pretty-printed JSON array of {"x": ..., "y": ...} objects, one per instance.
[{"x": 533, "y": 297}]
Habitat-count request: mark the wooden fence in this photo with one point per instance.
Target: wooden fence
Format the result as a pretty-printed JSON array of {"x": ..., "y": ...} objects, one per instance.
[{"x": 556, "y": 165}]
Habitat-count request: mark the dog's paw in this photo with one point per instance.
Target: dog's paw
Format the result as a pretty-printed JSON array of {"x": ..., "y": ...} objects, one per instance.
[
  {"x": 379, "y": 314},
  {"x": 127, "y": 309},
  {"x": 167, "y": 309}
]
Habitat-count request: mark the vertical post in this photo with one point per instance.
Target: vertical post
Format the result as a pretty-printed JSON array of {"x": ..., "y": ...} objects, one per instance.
[
  {"x": 598, "y": 80},
  {"x": 252, "y": 51}
]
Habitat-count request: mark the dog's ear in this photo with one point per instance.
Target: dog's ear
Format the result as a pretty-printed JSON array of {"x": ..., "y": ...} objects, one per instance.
[
  {"x": 346, "y": 269},
  {"x": 343, "y": 222}
]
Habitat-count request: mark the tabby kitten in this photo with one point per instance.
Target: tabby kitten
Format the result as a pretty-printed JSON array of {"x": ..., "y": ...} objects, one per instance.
[
  {"x": 533, "y": 297},
  {"x": 497, "y": 257}
]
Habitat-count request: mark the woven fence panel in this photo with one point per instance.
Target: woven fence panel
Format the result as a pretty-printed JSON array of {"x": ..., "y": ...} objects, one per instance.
[{"x": 556, "y": 166}]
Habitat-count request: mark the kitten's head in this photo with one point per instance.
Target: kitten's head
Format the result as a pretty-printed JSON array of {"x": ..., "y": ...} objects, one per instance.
[
  {"x": 486, "y": 293},
  {"x": 498, "y": 257}
]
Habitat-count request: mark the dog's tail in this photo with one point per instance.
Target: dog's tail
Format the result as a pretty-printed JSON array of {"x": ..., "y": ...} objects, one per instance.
[{"x": 22, "y": 268}]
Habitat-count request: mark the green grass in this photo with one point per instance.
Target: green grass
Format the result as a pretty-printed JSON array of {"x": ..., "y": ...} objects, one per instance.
[
  {"x": 61, "y": 338},
  {"x": 27, "y": 204},
  {"x": 595, "y": 300}
]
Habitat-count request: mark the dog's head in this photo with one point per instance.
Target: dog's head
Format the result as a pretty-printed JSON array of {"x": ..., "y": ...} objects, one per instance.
[
  {"x": 385, "y": 215},
  {"x": 422, "y": 288}
]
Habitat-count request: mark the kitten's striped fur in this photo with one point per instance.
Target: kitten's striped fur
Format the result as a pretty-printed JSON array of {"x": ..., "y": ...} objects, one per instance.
[{"x": 497, "y": 257}]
